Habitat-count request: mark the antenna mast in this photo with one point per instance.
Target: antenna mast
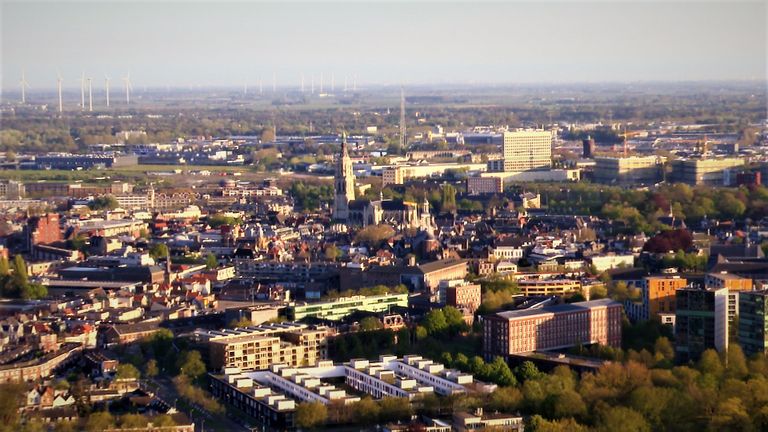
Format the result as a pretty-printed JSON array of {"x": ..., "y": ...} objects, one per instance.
[{"x": 402, "y": 120}]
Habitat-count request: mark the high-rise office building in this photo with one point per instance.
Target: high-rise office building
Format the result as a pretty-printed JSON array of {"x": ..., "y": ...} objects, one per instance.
[
  {"x": 701, "y": 322},
  {"x": 753, "y": 326},
  {"x": 526, "y": 150},
  {"x": 589, "y": 148}
]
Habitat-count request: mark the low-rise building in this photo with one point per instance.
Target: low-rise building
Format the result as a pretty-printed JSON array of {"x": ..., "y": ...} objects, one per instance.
[
  {"x": 461, "y": 294},
  {"x": 548, "y": 287},
  {"x": 713, "y": 172},
  {"x": 339, "y": 308},
  {"x": 628, "y": 170},
  {"x": 119, "y": 334},
  {"x": 477, "y": 421},
  {"x": 42, "y": 367},
  {"x": 426, "y": 277},
  {"x": 484, "y": 185}
]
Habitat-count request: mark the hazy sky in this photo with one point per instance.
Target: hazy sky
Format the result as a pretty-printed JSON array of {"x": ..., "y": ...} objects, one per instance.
[{"x": 230, "y": 43}]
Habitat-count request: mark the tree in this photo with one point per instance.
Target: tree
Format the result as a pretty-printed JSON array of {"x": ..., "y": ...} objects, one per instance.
[
  {"x": 664, "y": 349},
  {"x": 99, "y": 421},
  {"x": 19, "y": 274},
  {"x": 421, "y": 332},
  {"x": 538, "y": 423},
  {"x": 731, "y": 415},
  {"x": 15, "y": 281},
  {"x": 311, "y": 414},
  {"x": 527, "y": 370},
  {"x": 506, "y": 399},
  {"x": 735, "y": 363},
  {"x": 127, "y": 371},
  {"x": 211, "y": 262},
  {"x": 448, "y": 200},
  {"x": 240, "y": 323},
  {"x": 11, "y": 399},
  {"x": 366, "y": 411},
  {"x": 394, "y": 409},
  {"x": 65, "y": 426},
  {"x": 435, "y": 321},
  {"x": 373, "y": 235},
  {"x": 729, "y": 206},
  {"x": 5, "y": 268},
  {"x": 268, "y": 134},
  {"x": 568, "y": 404},
  {"x": 163, "y": 420},
  {"x": 370, "y": 323},
  {"x": 158, "y": 250},
  {"x": 332, "y": 253},
  {"x": 617, "y": 418},
  {"x": 191, "y": 365},
  {"x": 454, "y": 318},
  {"x": 130, "y": 421},
  {"x": 710, "y": 363},
  {"x": 501, "y": 373},
  {"x": 106, "y": 202},
  {"x": 151, "y": 369}
]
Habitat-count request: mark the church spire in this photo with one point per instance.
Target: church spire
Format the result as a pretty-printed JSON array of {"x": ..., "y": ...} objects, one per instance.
[
  {"x": 344, "y": 182},
  {"x": 344, "y": 150}
]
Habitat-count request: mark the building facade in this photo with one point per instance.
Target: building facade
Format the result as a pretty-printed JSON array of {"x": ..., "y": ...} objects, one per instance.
[
  {"x": 464, "y": 295},
  {"x": 43, "y": 230},
  {"x": 258, "y": 347},
  {"x": 628, "y": 170},
  {"x": 341, "y": 307},
  {"x": 713, "y": 172},
  {"x": 484, "y": 185},
  {"x": 701, "y": 322},
  {"x": 657, "y": 298},
  {"x": 552, "y": 327},
  {"x": 549, "y": 287},
  {"x": 753, "y": 326},
  {"x": 525, "y": 150}
]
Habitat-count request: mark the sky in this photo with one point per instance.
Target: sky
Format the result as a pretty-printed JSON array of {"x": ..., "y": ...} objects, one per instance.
[{"x": 217, "y": 43}]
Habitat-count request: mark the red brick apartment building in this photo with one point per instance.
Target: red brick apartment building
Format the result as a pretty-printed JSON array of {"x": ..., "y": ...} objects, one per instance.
[
  {"x": 43, "y": 230},
  {"x": 554, "y": 327}
]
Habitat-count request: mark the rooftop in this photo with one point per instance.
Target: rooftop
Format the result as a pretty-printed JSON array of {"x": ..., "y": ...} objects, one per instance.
[{"x": 561, "y": 308}]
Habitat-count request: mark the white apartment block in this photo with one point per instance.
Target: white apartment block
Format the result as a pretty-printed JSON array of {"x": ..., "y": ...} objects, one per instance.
[{"x": 508, "y": 253}]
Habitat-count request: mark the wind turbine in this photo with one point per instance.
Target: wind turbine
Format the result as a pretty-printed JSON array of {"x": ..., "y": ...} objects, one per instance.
[
  {"x": 59, "y": 80},
  {"x": 90, "y": 94},
  {"x": 82, "y": 92},
  {"x": 24, "y": 86},
  {"x": 128, "y": 88},
  {"x": 106, "y": 88}
]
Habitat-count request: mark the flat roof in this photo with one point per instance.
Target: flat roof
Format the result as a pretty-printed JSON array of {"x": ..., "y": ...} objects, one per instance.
[{"x": 561, "y": 308}]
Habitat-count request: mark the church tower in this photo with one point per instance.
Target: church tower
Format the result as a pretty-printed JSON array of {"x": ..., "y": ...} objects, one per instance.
[{"x": 344, "y": 183}]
